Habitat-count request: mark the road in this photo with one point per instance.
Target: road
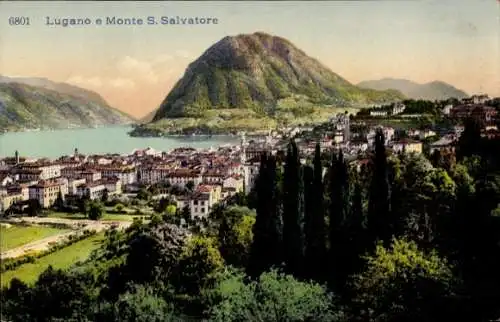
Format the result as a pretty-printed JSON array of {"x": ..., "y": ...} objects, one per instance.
[{"x": 77, "y": 225}]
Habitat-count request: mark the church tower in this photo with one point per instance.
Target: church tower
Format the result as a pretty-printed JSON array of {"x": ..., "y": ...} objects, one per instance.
[
  {"x": 16, "y": 155},
  {"x": 243, "y": 157}
]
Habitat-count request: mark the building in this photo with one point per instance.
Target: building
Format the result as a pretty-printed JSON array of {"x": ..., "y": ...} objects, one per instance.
[
  {"x": 91, "y": 190},
  {"x": 46, "y": 192},
  {"x": 127, "y": 174},
  {"x": 39, "y": 171},
  {"x": 483, "y": 113},
  {"x": 398, "y": 108},
  {"x": 73, "y": 185},
  {"x": 447, "y": 142},
  {"x": 181, "y": 177},
  {"x": 235, "y": 181},
  {"x": 407, "y": 145},
  {"x": 8, "y": 199},
  {"x": 378, "y": 113},
  {"x": 447, "y": 109}
]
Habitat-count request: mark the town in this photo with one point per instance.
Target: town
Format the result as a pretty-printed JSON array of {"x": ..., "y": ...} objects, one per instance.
[{"x": 196, "y": 180}]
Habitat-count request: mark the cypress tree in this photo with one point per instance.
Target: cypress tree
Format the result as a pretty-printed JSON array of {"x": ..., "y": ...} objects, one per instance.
[
  {"x": 357, "y": 230},
  {"x": 266, "y": 248},
  {"x": 309, "y": 233},
  {"x": 292, "y": 211},
  {"x": 379, "y": 222},
  {"x": 339, "y": 193},
  {"x": 315, "y": 218}
]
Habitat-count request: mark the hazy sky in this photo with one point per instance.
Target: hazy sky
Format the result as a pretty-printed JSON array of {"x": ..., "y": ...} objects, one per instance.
[{"x": 134, "y": 67}]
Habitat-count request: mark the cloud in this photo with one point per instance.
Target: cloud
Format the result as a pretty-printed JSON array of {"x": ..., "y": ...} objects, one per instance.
[
  {"x": 86, "y": 81},
  {"x": 163, "y": 59},
  {"x": 141, "y": 68},
  {"x": 101, "y": 82},
  {"x": 122, "y": 83},
  {"x": 184, "y": 54}
]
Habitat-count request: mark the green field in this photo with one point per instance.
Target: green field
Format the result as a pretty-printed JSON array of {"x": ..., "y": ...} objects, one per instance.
[
  {"x": 16, "y": 236},
  {"x": 105, "y": 217},
  {"x": 60, "y": 259}
]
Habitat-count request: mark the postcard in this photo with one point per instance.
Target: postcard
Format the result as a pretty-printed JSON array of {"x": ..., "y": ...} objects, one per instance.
[{"x": 229, "y": 141}]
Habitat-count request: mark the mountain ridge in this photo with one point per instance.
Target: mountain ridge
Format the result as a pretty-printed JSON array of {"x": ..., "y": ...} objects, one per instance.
[
  {"x": 434, "y": 90},
  {"x": 52, "y": 105}
]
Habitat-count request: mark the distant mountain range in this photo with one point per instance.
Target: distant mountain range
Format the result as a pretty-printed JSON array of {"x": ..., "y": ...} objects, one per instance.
[
  {"x": 29, "y": 103},
  {"x": 436, "y": 90}
]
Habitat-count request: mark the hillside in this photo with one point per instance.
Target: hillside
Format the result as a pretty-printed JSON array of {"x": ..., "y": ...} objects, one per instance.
[
  {"x": 25, "y": 106},
  {"x": 436, "y": 90},
  {"x": 258, "y": 76}
]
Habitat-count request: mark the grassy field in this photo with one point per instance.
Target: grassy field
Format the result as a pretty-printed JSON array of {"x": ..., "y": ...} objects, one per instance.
[
  {"x": 105, "y": 217},
  {"x": 16, "y": 236},
  {"x": 61, "y": 259}
]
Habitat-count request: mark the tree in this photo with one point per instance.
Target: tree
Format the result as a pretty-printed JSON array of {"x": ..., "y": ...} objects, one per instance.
[
  {"x": 235, "y": 235},
  {"x": 171, "y": 210},
  {"x": 95, "y": 211},
  {"x": 273, "y": 297},
  {"x": 469, "y": 143},
  {"x": 380, "y": 224},
  {"x": 59, "y": 202},
  {"x": 34, "y": 208},
  {"x": 141, "y": 303},
  {"x": 315, "y": 237},
  {"x": 83, "y": 205},
  {"x": 198, "y": 265},
  {"x": 339, "y": 200},
  {"x": 143, "y": 194},
  {"x": 154, "y": 253},
  {"x": 105, "y": 196},
  {"x": 266, "y": 250},
  {"x": 402, "y": 283},
  {"x": 293, "y": 211},
  {"x": 190, "y": 185}
]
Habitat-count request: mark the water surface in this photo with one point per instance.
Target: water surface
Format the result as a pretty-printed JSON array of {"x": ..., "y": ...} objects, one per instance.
[{"x": 56, "y": 143}]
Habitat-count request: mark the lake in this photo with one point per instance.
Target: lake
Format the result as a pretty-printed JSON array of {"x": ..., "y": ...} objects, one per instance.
[{"x": 55, "y": 143}]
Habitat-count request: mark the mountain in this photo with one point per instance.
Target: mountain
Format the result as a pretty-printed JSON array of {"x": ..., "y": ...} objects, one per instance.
[
  {"x": 436, "y": 90},
  {"x": 260, "y": 74},
  {"x": 40, "y": 103}
]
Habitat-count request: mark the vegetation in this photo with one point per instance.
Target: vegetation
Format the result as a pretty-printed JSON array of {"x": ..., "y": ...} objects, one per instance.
[
  {"x": 18, "y": 235},
  {"x": 27, "y": 106},
  {"x": 402, "y": 238}
]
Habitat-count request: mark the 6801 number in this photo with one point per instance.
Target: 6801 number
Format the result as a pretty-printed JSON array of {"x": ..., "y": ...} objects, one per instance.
[{"x": 19, "y": 21}]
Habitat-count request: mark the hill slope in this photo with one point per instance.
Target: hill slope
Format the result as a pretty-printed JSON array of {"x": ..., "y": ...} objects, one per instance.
[
  {"x": 24, "y": 106},
  {"x": 260, "y": 75},
  {"x": 436, "y": 90}
]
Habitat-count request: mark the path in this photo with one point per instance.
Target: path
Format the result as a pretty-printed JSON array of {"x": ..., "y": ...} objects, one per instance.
[{"x": 45, "y": 243}]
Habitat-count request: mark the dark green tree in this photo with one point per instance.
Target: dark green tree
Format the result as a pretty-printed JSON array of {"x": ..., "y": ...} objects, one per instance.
[
  {"x": 338, "y": 212},
  {"x": 105, "y": 196},
  {"x": 379, "y": 221},
  {"x": 293, "y": 211},
  {"x": 266, "y": 250},
  {"x": 59, "y": 202},
  {"x": 316, "y": 231},
  {"x": 470, "y": 142},
  {"x": 95, "y": 211}
]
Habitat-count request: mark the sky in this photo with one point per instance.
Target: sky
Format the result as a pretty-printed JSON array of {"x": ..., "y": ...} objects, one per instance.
[{"x": 134, "y": 67}]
